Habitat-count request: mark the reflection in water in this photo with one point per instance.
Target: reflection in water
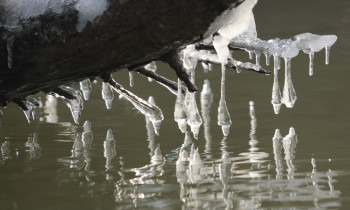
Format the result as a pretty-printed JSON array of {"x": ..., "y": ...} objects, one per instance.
[
  {"x": 243, "y": 181},
  {"x": 33, "y": 148},
  {"x": 206, "y": 102}
]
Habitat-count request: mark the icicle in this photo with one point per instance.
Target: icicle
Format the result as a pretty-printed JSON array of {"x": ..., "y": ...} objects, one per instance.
[
  {"x": 1, "y": 114},
  {"x": 180, "y": 113},
  {"x": 238, "y": 69},
  {"x": 85, "y": 87},
  {"x": 289, "y": 95},
  {"x": 151, "y": 67},
  {"x": 32, "y": 105},
  {"x": 267, "y": 56},
  {"x": 257, "y": 58},
  {"x": 131, "y": 78},
  {"x": 75, "y": 105},
  {"x": 277, "y": 147},
  {"x": 155, "y": 122},
  {"x": 276, "y": 93},
  {"x": 109, "y": 149},
  {"x": 311, "y": 63},
  {"x": 107, "y": 95},
  {"x": 224, "y": 119},
  {"x": 194, "y": 119},
  {"x": 153, "y": 112},
  {"x": 251, "y": 54},
  {"x": 327, "y": 51}
]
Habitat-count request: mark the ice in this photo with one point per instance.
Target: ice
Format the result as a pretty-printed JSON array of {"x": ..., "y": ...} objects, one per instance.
[
  {"x": 1, "y": 114},
  {"x": 253, "y": 121},
  {"x": 85, "y": 87},
  {"x": 206, "y": 66},
  {"x": 206, "y": 102},
  {"x": 187, "y": 141},
  {"x": 75, "y": 105},
  {"x": 156, "y": 121},
  {"x": 221, "y": 47},
  {"x": 194, "y": 119},
  {"x": 276, "y": 93},
  {"x": 87, "y": 139},
  {"x": 289, "y": 144},
  {"x": 277, "y": 148},
  {"x": 327, "y": 52},
  {"x": 189, "y": 58},
  {"x": 88, "y": 10},
  {"x": 107, "y": 95},
  {"x": 267, "y": 57},
  {"x": 234, "y": 21},
  {"x": 224, "y": 119},
  {"x": 194, "y": 168},
  {"x": 109, "y": 149},
  {"x": 151, "y": 67},
  {"x": 153, "y": 112},
  {"x": 257, "y": 58},
  {"x": 131, "y": 78},
  {"x": 32, "y": 105},
  {"x": 157, "y": 158},
  {"x": 311, "y": 63},
  {"x": 180, "y": 112},
  {"x": 33, "y": 147},
  {"x": 289, "y": 96}
]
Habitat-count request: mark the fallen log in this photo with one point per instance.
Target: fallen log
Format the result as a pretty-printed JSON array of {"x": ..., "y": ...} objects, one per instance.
[{"x": 51, "y": 43}]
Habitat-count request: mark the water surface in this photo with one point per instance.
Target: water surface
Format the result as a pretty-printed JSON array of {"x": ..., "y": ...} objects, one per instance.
[{"x": 55, "y": 164}]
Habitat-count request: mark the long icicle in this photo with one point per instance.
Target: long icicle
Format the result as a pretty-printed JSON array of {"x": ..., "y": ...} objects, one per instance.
[{"x": 224, "y": 119}]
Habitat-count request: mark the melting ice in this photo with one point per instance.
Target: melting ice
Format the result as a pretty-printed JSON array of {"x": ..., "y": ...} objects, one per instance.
[
  {"x": 180, "y": 112},
  {"x": 107, "y": 95},
  {"x": 85, "y": 87}
]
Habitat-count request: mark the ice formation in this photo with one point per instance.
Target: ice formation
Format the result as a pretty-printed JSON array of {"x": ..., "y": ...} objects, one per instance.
[
  {"x": 190, "y": 58},
  {"x": 107, "y": 95},
  {"x": 131, "y": 78},
  {"x": 224, "y": 119},
  {"x": 151, "y": 67},
  {"x": 180, "y": 115},
  {"x": 85, "y": 87},
  {"x": 75, "y": 105}
]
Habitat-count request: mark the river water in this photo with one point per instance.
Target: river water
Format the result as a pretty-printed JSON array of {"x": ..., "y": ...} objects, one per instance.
[{"x": 54, "y": 164}]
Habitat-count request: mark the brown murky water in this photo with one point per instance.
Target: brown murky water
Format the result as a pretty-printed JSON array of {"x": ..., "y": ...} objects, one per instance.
[{"x": 55, "y": 164}]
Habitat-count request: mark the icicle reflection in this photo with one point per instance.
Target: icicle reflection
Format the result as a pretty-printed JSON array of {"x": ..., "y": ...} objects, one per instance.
[{"x": 206, "y": 102}]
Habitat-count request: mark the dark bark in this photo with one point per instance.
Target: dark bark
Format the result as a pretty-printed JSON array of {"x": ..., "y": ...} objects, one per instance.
[{"x": 48, "y": 51}]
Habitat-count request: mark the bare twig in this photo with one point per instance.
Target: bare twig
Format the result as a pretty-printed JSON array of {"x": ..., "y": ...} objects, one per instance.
[
  {"x": 232, "y": 63},
  {"x": 160, "y": 79},
  {"x": 127, "y": 94}
]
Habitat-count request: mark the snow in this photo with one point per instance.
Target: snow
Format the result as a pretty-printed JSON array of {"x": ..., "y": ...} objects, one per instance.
[{"x": 16, "y": 10}]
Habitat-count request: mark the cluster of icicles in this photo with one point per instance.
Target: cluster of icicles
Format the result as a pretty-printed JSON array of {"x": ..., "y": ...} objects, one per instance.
[
  {"x": 286, "y": 49},
  {"x": 186, "y": 111}
]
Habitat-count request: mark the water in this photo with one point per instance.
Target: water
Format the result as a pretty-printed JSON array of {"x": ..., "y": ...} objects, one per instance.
[{"x": 40, "y": 169}]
